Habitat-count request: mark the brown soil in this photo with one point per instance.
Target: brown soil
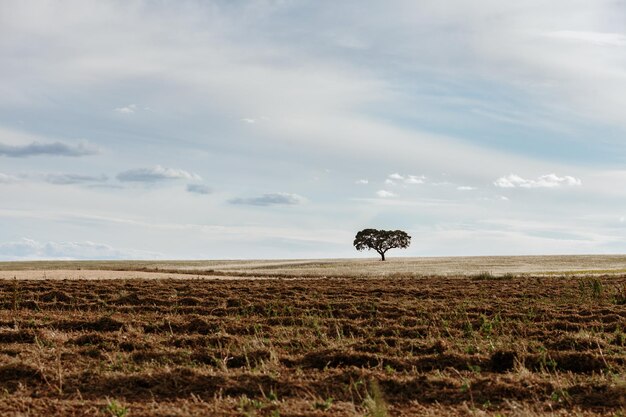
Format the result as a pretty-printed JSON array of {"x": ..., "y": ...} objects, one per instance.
[{"x": 298, "y": 347}]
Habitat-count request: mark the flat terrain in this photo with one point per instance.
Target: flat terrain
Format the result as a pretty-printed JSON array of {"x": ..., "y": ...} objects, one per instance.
[
  {"x": 397, "y": 343},
  {"x": 394, "y": 267}
]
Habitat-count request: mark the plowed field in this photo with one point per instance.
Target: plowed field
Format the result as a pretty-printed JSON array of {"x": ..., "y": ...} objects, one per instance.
[{"x": 479, "y": 345}]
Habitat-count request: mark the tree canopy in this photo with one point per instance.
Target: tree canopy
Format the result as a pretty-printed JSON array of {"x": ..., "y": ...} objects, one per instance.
[{"x": 381, "y": 240}]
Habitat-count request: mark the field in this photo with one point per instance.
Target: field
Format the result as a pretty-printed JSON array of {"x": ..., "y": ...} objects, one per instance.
[
  {"x": 395, "y": 267},
  {"x": 299, "y": 338}
]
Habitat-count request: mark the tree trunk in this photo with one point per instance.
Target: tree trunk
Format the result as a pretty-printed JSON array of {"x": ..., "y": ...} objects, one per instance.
[{"x": 382, "y": 255}]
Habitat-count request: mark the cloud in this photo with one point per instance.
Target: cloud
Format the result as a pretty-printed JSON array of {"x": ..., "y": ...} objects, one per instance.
[
  {"x": 156, "y": 174},
  {"x": 595, "y": 38},
  {"x": 465, "y": 188},
  {"x": 130, "y": 109},
  {"x": 7, "y": 179},
  {"x": 250, "y": 120},
  {"x": 54, "y": 148},
  {"x": 362, "y": 182},
  {"x": 271, "y": 199},
  {"x": 329, "y": 102},
  {"x": 413, "y": 179},
  {"x": 65, "y": 179},
  {"x": 545, "y": 181},
  {"x": 29, "y": 249},
  {"x": 199, "y": 189},
  {"x": 105, "y": 186},
  {"x": 394, "y": 178},
  {"x": 384, "y": 194}
]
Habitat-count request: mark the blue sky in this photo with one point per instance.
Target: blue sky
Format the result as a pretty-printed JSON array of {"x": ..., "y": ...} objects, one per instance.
[{"x": 278, "y": 129}]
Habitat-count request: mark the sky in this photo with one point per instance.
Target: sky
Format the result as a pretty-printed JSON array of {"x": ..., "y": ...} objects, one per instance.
[{"x": 278, "y": 129}]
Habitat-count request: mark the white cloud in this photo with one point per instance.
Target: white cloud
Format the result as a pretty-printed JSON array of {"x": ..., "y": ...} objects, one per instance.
[
  {"x": 248, "y": 120},
  {"x": 413, "y": 179},
  {"x": 465, "y": 188},
  {"x": 509, "y": 181},
  {"x": 544, "y": 181},
  {"x": 29, "y": 249},
  {"x": 395, "y": 178},
  {"x": 130, "y": 109},
  {"x": 156, "y": 174},
  {"x": 385, "y": 194},
  {"x": 362, "y": 181},
  {"x": 596, "y": 38},
  {"x": 7, "y": 179}
]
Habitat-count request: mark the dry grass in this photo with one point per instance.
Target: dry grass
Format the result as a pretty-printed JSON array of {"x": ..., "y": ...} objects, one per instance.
[
  {"x": 394, "y": 267},
  {"x": 475, "y": 345},
  {"x": 89, "y": 274}
]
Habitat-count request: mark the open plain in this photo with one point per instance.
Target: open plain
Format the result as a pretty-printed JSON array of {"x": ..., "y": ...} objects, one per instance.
[
  {"x": 316, "y": 268},
  {"x": 439, "y": 336}
]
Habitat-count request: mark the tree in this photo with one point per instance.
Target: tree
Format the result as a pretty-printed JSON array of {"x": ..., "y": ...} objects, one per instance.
[{"x": 381, "y": 240}]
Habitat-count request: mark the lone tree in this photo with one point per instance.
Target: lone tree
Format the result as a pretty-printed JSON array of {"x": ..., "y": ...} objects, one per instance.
[{"x": 381, "y": 240}]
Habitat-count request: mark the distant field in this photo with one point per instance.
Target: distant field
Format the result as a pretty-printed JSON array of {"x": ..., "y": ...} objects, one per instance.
[{"x": 406, "y": 267}]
